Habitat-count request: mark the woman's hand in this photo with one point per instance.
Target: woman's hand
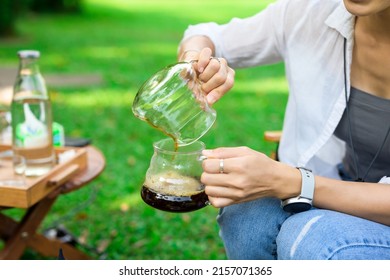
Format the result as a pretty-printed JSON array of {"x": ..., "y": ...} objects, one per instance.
[
  {"x": 235, "y": 175},
  {"x": 216, "y": 76}
]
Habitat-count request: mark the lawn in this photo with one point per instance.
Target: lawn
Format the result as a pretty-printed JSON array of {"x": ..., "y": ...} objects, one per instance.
[{"x": 126, "y": 41}]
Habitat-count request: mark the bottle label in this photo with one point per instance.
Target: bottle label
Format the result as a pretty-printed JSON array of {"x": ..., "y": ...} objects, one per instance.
[
  {"x": 58, "y": 135},
  {"x": 31, "y": 136}
]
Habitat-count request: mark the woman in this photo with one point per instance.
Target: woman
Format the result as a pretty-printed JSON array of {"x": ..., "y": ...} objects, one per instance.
[{"x": 336, "y": 130}]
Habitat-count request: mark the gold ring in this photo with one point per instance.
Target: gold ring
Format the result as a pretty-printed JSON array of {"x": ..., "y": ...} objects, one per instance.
[{"x": 221, "y": 166}]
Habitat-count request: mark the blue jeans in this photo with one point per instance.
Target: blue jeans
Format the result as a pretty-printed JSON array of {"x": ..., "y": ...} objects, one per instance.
[{"x": 260, "y": 229}]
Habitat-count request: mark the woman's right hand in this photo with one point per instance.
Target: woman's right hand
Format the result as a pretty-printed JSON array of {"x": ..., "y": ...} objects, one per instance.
[{"x": 216, "y": 76}]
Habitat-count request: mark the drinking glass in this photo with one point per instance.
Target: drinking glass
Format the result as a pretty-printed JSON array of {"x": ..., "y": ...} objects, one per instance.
[
  {"x": 5, "y": 125},
  {"x": 12, "y": 170}
]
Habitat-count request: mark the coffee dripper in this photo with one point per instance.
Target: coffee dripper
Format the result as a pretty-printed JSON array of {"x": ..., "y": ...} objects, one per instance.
[
  {"x": 172, "y": 180},
  {"x": 172, "y": 101}
]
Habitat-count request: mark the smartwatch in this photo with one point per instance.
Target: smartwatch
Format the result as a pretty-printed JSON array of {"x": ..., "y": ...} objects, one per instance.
[{"x": 304, "y": 201}]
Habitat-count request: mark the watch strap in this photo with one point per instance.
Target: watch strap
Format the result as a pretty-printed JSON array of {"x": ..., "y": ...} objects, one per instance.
[{"x": 307, "y": 188}]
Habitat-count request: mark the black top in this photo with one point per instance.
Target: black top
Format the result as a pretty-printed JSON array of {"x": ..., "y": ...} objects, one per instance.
[{"x": 370, "y": 121}]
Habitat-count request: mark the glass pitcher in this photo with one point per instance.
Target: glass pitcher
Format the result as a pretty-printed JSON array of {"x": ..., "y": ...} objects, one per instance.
[
  {"x": 172, "y": 181},
  {"x": 172, "y": 101}
]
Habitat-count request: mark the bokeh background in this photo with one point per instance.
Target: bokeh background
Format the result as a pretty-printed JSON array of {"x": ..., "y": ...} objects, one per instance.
[{"x": 95, "y": 54}]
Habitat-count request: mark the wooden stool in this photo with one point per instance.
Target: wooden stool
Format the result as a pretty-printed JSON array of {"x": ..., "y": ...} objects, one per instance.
[
  {"x": 20, "y": 235},
  {"x": 273, "y": 136}
]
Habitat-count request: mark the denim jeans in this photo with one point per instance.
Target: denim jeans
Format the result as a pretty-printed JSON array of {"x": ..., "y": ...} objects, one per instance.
[{"x": 260, "y": 229}]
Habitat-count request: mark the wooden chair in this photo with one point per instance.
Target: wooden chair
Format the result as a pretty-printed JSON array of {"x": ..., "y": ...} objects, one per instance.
[{"x": 274, "y": 137}]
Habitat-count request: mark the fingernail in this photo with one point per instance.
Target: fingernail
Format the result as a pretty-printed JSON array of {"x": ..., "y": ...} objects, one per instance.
[
  {"x": 210, "y": 99},
  {"x": 202, "y": 158},
  {"x": 207, "y": 152}
]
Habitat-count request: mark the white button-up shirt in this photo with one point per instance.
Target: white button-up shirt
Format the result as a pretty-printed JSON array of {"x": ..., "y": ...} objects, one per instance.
[{"x": 308, "y": 35}]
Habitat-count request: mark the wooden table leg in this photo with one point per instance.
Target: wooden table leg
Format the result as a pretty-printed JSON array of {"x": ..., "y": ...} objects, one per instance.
[
  {"x": 18, "y": 236},
  {"x": 51, "y": 247},
  {"x": 15, "y": 245},
  {"x": 7, "y": 227}
]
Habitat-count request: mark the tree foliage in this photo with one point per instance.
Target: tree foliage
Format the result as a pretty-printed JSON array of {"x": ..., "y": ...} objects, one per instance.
[{"x": 11, "y": 9}]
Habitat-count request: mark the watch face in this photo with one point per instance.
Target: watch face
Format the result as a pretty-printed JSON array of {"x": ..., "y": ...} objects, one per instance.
[{"x": 296, "y": 207}]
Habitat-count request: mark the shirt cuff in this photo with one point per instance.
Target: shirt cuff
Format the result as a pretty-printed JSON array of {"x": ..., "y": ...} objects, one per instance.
[{"x": 384, "y": 180}]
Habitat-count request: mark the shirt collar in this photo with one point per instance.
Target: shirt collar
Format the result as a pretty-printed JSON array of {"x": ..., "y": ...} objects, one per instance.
[{"x": 341, "y": 20}]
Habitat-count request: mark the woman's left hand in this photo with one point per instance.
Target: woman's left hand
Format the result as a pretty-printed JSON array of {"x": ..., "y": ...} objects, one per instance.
[{"x": 240, "y": 174}]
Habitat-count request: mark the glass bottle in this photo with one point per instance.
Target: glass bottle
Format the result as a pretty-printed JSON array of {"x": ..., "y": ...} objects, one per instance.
[{"x": 31, "y": 116}]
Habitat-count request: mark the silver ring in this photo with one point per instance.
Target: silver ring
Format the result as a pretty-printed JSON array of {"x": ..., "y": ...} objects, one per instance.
[
  {"x": 216, "y": 58},
  {"x": 221, "y": 166}
]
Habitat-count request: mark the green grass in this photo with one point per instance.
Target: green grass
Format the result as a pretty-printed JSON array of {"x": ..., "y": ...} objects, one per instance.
[{"x": 125, "y": 42}]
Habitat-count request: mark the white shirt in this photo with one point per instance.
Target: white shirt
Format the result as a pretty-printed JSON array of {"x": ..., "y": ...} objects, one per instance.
[{"x": 308, "y": 35}]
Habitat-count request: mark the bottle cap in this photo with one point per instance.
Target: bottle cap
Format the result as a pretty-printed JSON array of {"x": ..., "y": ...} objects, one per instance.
[{"x": 28, "y": 54}]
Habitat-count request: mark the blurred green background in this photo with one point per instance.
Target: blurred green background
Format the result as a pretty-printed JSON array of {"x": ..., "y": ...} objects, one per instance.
[{"x": 122, "y": 43}]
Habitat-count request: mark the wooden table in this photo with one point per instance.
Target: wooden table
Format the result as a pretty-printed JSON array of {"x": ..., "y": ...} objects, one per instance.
[{"x": 18, "y": 235}]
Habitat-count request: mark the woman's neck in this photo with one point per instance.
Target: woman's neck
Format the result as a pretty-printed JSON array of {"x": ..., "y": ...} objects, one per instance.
[
  {"x": 375, "y": 26},
  {"x": 371, "y": 57}
]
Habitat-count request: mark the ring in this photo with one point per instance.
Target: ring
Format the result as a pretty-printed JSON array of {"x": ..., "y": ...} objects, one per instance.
[
  {"x": 216, "y": 58},
  {"x": 221, "y": 165}
]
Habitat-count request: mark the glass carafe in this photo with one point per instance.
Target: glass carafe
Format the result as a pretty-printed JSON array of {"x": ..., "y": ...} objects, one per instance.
[
  {"x": 172, "y": 181},
  {"x": 172, "y": 101},
  {"x": 31, "y": 116}
]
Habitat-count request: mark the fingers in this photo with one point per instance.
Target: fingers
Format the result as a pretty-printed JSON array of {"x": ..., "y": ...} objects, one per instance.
[
  {"x": 220, "y": 202},
  {"x": 229, "y": 152},
  {"x": 216, "y": 76},
  {"x": 220, "y": 88},
  {"x": 215, "y": 179},
  {"x": 216, "y": 166},
  {"x": 224, "y": 160},
  {"x": 189, "y": 55},
  {"x": 230, "y": 174},
  {"x": 220, "y": 196},
  {"x": 221, "y": 191},
  {"x": 204, "y": 59},
  {"x": 216, "y": 69}
]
